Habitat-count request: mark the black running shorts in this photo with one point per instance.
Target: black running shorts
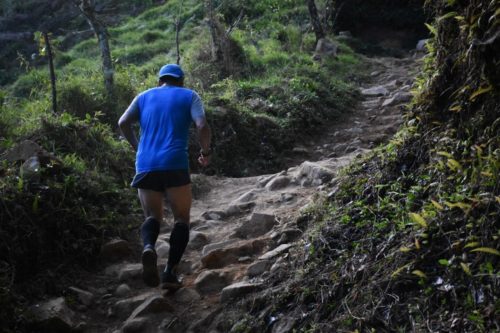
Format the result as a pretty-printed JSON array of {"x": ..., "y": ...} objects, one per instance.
[{"x": 159, "y": 181}]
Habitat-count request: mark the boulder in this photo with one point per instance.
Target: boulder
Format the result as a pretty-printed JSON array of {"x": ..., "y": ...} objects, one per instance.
[
  {"x": 214, "y": 246},
  {"x": 375, "y": 91},
  {"x": 213, "y": 215},
  {"x": 256, "y": 103},
  {"x": 239, "y": 208},
  {"x": 186, "y": 295},
  {"x": 197, "y": 240},
  {"x": 153, "y": 304},
  {"x": 278, "y": 183},
  {"x": 211, "y": 282},
  {"x": 287, "y": 197},
  {"x": 124, "y": 307},
  {"x": 345, "y": 34},
  {"x": 288, "y": 235},
  {"x": 85, "y": 297},
  {"x": 130, "y": 272},
  {"x": 398, "y": 98},
  {"x": 122, "y": 290},
  {"x": 184, "y": 267},
  {"x": 115, "y": 250},
  {"x": 22, "y": 151},
  {"x": 277, "y": 251},
  {"x": 266, "y": 179},
  {"x": 246, "y": 197},
  {"x": 226, "y": 256},
  {"x": 313, "y": 173},
  {"x": 31, "y": 168},
  {"x": 162, "y": 249},
  {"x": 300, "y": 150},
  {"x": 238, "y": 289},
  {"x": 257, "y": 225},
  {"x": 136, "y": 325},
  {"x": 284, "y": 325},
  {"x": 393, "y": 84},
  {"x": 53, "y": 316},
  {"x": 421, "y": 45},
  {"x": 325, "y": 48},
  {"x": 258, "y": 268}
]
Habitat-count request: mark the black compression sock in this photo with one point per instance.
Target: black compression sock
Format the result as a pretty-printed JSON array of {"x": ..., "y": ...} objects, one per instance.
[
  {"x": 179, "y": 239},
  {"x": 149, "y": 232}
]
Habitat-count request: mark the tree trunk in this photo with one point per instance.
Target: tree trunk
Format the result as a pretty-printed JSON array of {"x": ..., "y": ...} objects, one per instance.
[
  {"x": 51, "y": 70},
  {"x": 87, "y": 9},
  {"x": 177, "y": 30},
  {"x": 217, "y": 54},
  {"x": 315, "y": 21}
]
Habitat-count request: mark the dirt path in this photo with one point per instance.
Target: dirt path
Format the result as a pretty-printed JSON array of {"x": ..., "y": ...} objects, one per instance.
[{"x": 241, "y": 228}]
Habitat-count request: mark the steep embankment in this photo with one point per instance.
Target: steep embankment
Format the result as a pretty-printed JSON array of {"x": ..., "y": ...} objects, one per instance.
[
  {"x": 242, "y": 230},
  {"x": 408, "y": 238}
]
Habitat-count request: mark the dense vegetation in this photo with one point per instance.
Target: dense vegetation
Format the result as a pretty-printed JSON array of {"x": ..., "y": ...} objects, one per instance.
[
  {"x": 61, "y": 205},
  {"x": 410, "y": 239}
]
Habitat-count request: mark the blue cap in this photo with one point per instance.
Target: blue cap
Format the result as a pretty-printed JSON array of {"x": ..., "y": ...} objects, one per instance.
[{"x": 171, "y": 70}]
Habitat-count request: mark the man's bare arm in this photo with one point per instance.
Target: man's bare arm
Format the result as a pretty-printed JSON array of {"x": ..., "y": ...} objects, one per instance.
[
  {"x": 129, "y": 117},
  {"x": 204, "y": 135}
]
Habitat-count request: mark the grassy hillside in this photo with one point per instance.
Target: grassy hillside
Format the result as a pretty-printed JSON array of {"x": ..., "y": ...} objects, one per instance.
[
  {"x": 275, "y": 87},
  {"x": 409, "y": 239},
  {"x": 60, "y": 212}
]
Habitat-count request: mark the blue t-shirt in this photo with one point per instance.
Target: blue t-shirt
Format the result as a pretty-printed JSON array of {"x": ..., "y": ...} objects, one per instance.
[{"x": 165, "y": 115}]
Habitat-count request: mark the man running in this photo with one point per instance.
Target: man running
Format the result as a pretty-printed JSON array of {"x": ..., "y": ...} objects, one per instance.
[{"x": 165, "y": 114}]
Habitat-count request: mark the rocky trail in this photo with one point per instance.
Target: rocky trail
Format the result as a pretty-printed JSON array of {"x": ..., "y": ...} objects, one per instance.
[{"x": 241, "y": 231}]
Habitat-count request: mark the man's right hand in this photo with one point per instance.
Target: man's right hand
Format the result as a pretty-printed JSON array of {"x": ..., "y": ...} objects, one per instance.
[{"x": 204, "y": 160}]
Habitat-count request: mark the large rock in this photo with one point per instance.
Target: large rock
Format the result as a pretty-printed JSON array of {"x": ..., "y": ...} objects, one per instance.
[
  {"x": 136, "y": 325},
  {"x": 213, "y": 215},
  {"x": 325, "y": 48},
  {"x": 85, "y": 297},
  {"x": 185, "y": 267},
  {"x": 162, "y": 249},
  {"x": 421, "y": 45},
  {"x": 288, "y": 235},
  {"x": 186, "y": 295},
  {"x": 115, "y": 250},
  {"x": 239, "y": 208},
  {"x": 277, "y": 251},
  {"x": 122, "y": 290},
  {"x": 278, "y": 183},
  {"x": 246, "y": 197},
  {"x": 197, "y": 240},
  {"x": 256, "y": 103},
  {"x": 257, "y": 225},
  {"x": 214, "y": 246},
  {"x": 154, "y": 304},
  {"x": 226, "y": 256},
  {"x": 238, "y": 289},
  {"x": 211, "y": 281},
  {"x": 284, "y": 325},
  {"x": 124, "y": 307},
  {"x": 266, "y": 179},
  {"x": 53, "y": 316},
  {"x": 313, "y": 174},
  {"x": 130, "y": 272},
  {"x": 375, "y": 91},
  {"x": 258, "y": 268},
  {"x": 346, "y": 34},
  {"x": 398, "y": 98},
  {"x": 22, "y": 151},
  {"x": 31, "y": 168}
]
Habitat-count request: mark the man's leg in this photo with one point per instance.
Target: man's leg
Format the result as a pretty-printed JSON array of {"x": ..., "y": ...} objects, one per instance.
[
  {"x": 152, "y": 204},
  {"x": 180, "y": 201}
]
